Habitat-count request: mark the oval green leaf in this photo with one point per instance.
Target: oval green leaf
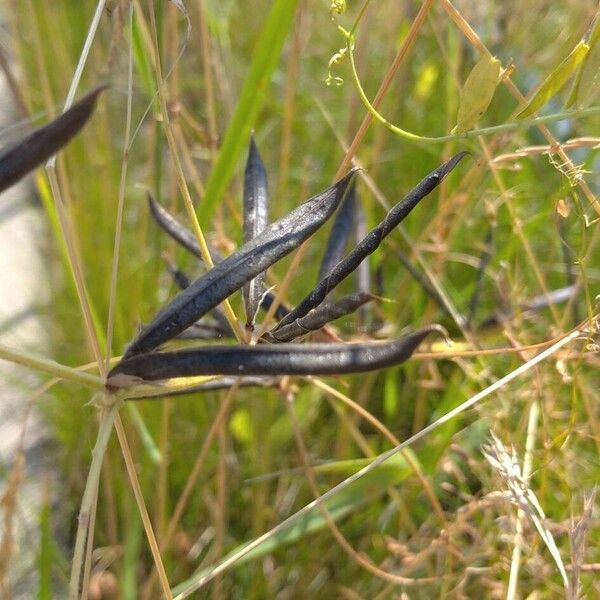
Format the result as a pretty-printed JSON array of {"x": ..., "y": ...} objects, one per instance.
[
  {"x": 590, "y": 66},
  {"x": 556, "y": 80},
  {"x": 477, "y": 93},
  {"x": 589, "y": 82}
]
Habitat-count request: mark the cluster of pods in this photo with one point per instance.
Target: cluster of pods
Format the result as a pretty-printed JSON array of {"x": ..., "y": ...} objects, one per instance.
[
  {"x": 281, "y": 349},
  {"x": 278, "y": 350}
]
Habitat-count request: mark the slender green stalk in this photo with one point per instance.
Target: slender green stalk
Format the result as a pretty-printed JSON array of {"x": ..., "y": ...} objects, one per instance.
[
  {"x": 112, "y": 301},
  {"x": 39, "y": 363},
  {"x": 145, "y": 436},
  {"x": 81, "y": 64},
  {"x": 474, "y": 133},
  {"x": 266, "y": 56},
  {"x": 76, "y": 268},
  {"x": 91, "y": 488}
]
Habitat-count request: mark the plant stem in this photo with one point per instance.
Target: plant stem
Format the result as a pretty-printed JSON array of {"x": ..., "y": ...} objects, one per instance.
[
  {"x": 474, "y": 133},
  {"x": 39, "y": 363},
  {"x": 91, "y": 488},
  {"x": 183, "y": 188}
]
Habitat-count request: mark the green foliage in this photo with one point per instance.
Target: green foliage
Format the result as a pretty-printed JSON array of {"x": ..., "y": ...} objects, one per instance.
[
  {"x": 556, "y": 79},
  {"x": 267, "y": 62},
  {"x": 477, "y": 93}
]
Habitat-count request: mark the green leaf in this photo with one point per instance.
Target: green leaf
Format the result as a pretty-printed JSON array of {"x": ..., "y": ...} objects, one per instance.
[
  {"x": 265, "y": 59},
  {"x": 142, "y": 59},
  {"x": 45, "y": 556},
  {"x": 556, "y": 80},
  {"x": 590, "y": 66},
  {"x": 477, "y": 93},
  {"x": 589, "y": 84},
  {"x": 375, "y": 483}
]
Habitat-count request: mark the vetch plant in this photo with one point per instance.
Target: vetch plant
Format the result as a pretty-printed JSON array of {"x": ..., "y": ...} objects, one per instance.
[
  {"x": 245, "y": 268},
  {"x": 244, "y": 504}
]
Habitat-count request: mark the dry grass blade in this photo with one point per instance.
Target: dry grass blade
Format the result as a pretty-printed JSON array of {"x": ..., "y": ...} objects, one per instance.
[
  {"x": 219, "y": 383},
  {"x": 282, "y": 359},
  {"x": 340, "y": 233},
  {"x": 256, "y": 205},
  {"x": 370, "y": 243},
  {"x": 323, "y": 314},
  {"x": 578, "y": 534},
  {"x": 25, "y": 155},
  {"x": 252, "y": 258},
  {"x": 506, "y": 464}
]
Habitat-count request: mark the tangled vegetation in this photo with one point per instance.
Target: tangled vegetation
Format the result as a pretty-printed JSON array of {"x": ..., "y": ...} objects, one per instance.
[{"x": 267, "y": 447}]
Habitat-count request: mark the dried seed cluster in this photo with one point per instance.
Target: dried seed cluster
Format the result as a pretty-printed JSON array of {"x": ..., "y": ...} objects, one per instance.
[{"x": 265, "y": 244}]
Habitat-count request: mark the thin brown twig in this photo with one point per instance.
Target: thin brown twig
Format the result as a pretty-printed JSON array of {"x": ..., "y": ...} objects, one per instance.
[
  {"x": 192, "y": 479},
  {"x": 360, "y": 559},
  {"x": 581, "y": 142},
  {"x": 137, "y": 492}
]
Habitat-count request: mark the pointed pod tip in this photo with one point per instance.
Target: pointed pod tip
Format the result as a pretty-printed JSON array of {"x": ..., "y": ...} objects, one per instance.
[
  {"x": 252, "y": 143},
  {"x": 92, "y": 96},
  {"x": 254, "y": 160},
  {"x": 342, "y": 187},
  {"x": 29, "y": 152},
  {"x": 420, "y": 334},
  {"x": 449, "y": 166},
  {"x": 348, "y": 177},
  {"x": 99, "y": 88},
  {"x": 152, "y": 203}
]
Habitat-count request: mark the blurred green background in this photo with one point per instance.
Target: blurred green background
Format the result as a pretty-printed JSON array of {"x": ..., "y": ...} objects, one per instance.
[{"x": 530, "y": 213}]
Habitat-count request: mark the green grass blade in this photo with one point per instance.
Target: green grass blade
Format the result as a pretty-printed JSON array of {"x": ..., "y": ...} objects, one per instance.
[
  {"x": 363, "y": 490},
  {"x": 45, "y": 555},
  {"x": 45, "y": 196},
  {"x": 235, "y": 141},
  {"x": 131, "y": 557},
  {"x": 142, "y": 59},
  {"x": 144, "y": 433},
  {"x": 555, "y": 81}
]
